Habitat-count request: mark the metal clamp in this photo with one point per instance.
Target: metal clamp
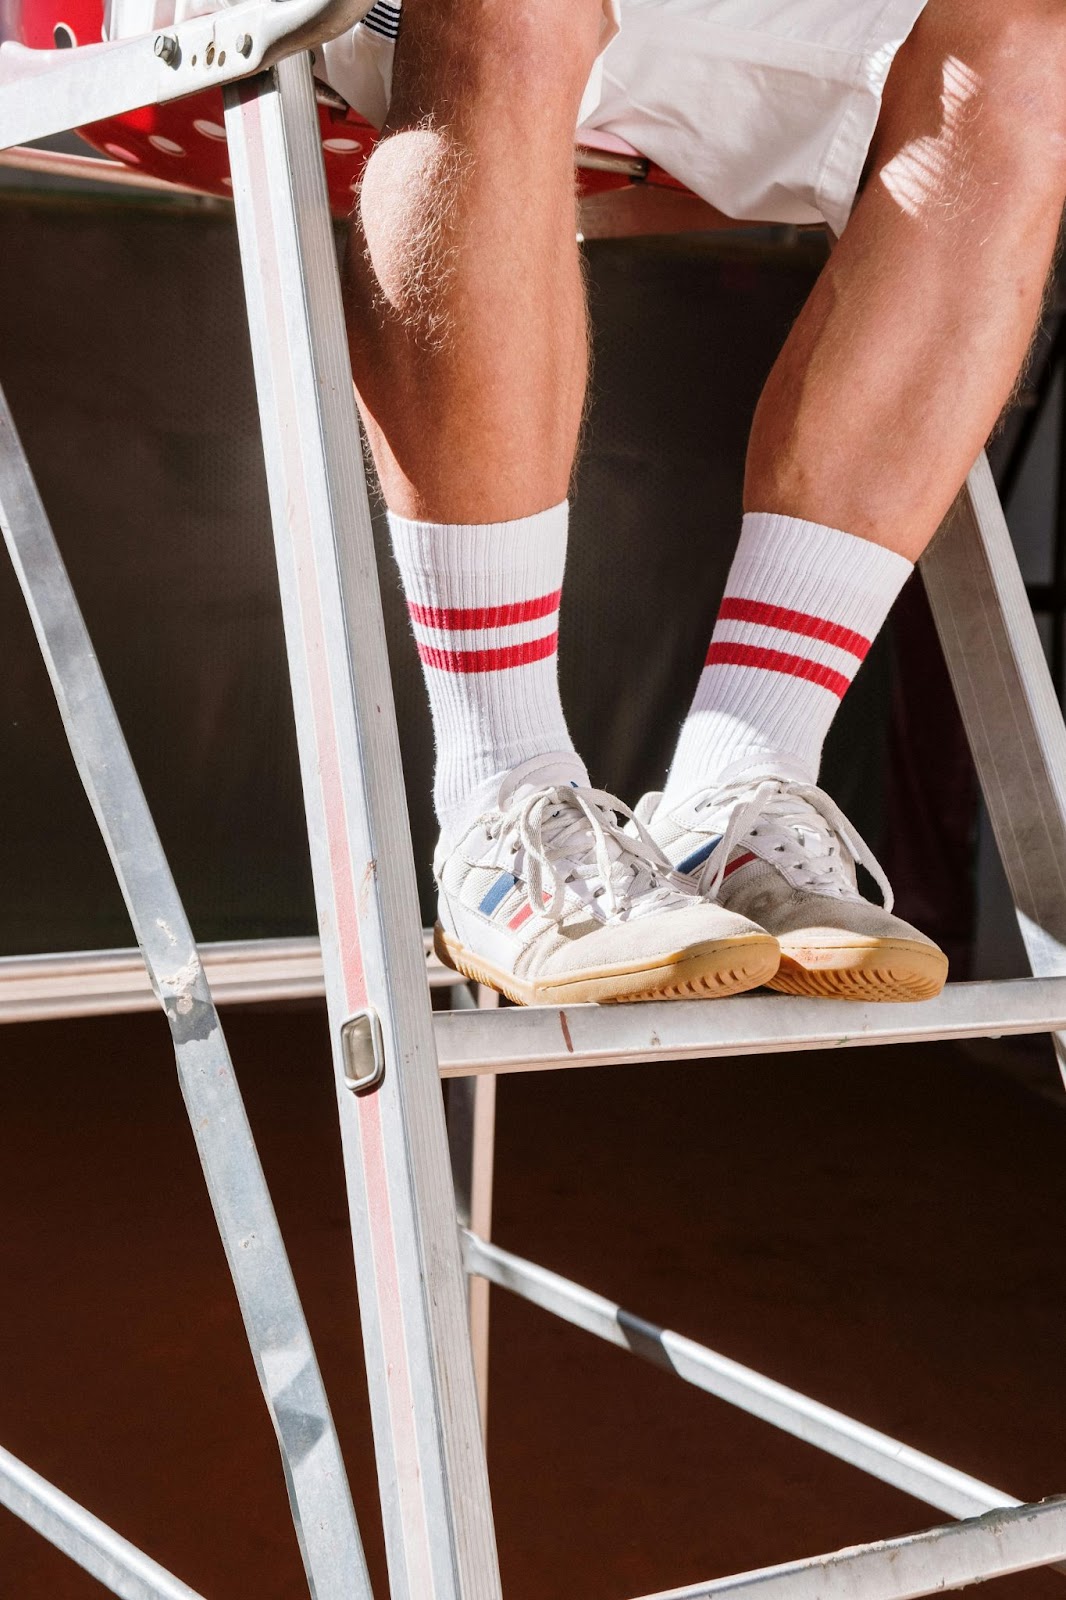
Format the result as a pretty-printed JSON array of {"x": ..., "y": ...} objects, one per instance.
[{"x": 364, "y": 1051}]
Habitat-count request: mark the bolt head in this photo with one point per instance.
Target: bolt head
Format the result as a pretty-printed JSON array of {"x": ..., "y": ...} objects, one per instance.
[
  {"x": 166, "y": 48},
  {"x": 244, "y": 44}
]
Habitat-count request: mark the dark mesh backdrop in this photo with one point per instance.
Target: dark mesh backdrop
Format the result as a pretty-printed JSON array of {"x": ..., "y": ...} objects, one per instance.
[{"x": 123, "y": 348}]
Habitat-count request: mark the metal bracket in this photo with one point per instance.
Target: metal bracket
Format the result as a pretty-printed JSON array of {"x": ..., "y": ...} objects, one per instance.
[
  {"x": 44, "y": 92},
  {"x": 364, "y": 1052}
]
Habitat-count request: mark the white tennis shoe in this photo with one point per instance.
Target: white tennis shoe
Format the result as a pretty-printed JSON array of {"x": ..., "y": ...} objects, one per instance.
[
  {"x": 547, "y": 899},
  {"x": 776, "y": 849}
]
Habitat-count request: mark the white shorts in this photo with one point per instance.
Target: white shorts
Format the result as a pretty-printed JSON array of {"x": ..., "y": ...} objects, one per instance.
[{"x": 764, "y": 108}]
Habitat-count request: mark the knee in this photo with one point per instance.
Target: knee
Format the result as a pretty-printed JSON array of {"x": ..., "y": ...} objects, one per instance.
[{"x": 461, "y": 56}]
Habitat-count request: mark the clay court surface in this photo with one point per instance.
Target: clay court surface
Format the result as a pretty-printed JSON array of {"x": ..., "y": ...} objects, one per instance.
[{"x": 882, "y": 1229}]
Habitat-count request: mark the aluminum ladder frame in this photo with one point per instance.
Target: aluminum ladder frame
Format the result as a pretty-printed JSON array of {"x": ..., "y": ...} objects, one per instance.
[{"x": 387, "y": 1048}]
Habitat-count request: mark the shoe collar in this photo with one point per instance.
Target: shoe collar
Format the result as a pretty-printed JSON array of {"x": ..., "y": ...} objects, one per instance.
[
  {"x": 698, "y": 808},
  {"x": 727, "y": 811},
  {"x": 560, "y": 769}
]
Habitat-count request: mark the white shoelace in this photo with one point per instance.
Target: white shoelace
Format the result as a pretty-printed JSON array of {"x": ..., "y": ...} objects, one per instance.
[
  {"x": 572, "y": 838},
  {"x": 799, "y": 823}
]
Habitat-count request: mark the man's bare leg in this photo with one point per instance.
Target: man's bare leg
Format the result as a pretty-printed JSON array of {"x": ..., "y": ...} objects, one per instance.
[
  {"x": 465, "y": 301},
  {"x": 884, "y": 394},
  {"x": 467, "y": 329},
  {"x": 909, "y": 346}
]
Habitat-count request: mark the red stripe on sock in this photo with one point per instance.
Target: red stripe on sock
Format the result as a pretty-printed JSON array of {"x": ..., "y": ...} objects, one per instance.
[
  {"x": 512, "y": 655},
  {"x": 734, "y": 609},
  {"x": 741, "y": 861},
  {"x": 452, "y": 619},
  {"x": 750, "y": 655}
]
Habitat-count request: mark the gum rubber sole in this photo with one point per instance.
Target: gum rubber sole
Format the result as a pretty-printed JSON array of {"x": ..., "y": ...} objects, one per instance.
[
  {"x": 705, "y": 972},
  {"x": 891, "y": 970}
]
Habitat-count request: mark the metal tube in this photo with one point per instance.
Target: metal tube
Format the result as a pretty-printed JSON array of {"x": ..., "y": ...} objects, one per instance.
[
  {"x": 471, "y": 1104},
  {"x": 872, "y": 1452},
  {"x": 589, "y": 160},
  {"x": 90, "y": 169},
  {"x": 991, "y": 1546},
  {"x": 1012, "y": 715},
  {"x": 431, "y": 1463},
  {"x": 112, "y": 1560},
  {"x": 88, "y": 983}
]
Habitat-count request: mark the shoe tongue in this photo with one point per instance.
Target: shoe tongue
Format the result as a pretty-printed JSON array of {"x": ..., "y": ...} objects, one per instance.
[
  {"x": 646, "y": 808},
  {"x": 559, "y": 770}
]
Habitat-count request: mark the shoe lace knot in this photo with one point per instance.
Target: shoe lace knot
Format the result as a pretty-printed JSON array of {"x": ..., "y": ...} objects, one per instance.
[{"x": 570, "y": 838}]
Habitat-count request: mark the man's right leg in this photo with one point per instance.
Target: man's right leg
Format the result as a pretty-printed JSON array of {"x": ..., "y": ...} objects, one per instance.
[
  {"x": 466, "y": 320},
  {"x": 467, "y": 329}
]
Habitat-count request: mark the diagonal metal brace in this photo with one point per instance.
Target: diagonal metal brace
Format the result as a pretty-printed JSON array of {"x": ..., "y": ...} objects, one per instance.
[
  {"x": 273, "y": 1317},
  {"x": 992, "y": 1546},
  {"x": 111, "y": 1559}
]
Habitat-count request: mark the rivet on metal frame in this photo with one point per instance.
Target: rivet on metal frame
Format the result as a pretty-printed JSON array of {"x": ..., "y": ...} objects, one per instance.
[
  {"x": 364, "y": 1052},
  {"x": 167, "y": 49}
]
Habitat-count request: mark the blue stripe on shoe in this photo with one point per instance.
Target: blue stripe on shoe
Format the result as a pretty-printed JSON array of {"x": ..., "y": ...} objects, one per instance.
[
  {"x": 498, "y": 893},
  {"x": 698, "y": 857}
]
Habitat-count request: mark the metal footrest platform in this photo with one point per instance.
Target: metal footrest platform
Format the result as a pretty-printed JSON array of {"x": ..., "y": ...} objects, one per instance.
[{"x": 544, "y": 1037}]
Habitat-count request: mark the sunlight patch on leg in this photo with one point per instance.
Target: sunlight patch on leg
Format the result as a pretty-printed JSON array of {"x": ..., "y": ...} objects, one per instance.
[
  {"x": 927, "y": 173},
  {"x": 407, "y": 209}
]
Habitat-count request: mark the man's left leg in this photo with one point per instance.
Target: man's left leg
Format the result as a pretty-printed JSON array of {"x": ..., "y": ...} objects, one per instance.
[{"x": 884, "y": 394}]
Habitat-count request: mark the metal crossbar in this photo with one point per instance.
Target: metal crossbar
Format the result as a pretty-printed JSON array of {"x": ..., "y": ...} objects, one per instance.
[
  {"x": 119, "y": 1565},
  {"x": 992, "y": 1546},
  {"x": 872, "y": 1452},
  {"x": 259, "y": 971},
  {"x": 90, "y": 983},
  {"x": 44, "y": 92}
]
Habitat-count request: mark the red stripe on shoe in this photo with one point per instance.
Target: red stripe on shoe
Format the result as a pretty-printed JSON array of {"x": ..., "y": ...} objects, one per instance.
[
  {"x": 750, "y": 655},
  {"x": 521, "y": 916},
  {"x": 741, "y": 861},
  {"x": 451, "y": 620},
  {"x": 512, "y": 655},
  {"x": 734, "y": 609}
]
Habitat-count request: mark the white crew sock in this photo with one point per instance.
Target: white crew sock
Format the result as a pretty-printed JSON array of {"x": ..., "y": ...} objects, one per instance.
[
  {"x": 801, "y": 608},
  {"x": 484, "y": 603}
]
